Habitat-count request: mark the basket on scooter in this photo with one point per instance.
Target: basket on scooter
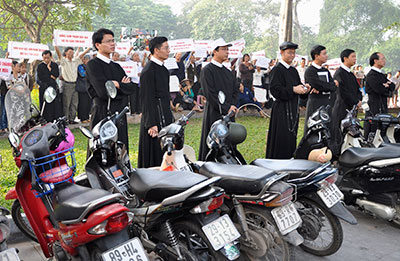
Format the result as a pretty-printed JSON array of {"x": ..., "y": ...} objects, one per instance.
[{"x": 52, "y": 169}]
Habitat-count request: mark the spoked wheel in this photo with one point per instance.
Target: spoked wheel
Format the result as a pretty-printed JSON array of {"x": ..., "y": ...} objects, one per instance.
[
  {"x": 264, "y": 233},
  {"x": 21, "y": 221},
  {"x": 322, "y": 231},
  {"x": 195, "y": 241}
]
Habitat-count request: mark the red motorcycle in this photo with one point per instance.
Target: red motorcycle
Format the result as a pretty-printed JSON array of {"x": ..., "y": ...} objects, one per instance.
[{"x": 68, "y": 220}]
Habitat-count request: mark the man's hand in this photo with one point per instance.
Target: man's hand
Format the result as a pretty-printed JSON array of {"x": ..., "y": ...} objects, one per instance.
[
  {"x": 126, "y": 79},
  {"x": 387, "y": 84},
  {"x": 301, "y": 89},
  {"x": 153, "y": 131},
  {"x": 336, "y": 83},
  {"x": 232, "y": 108},
  {"x": 314, "y": 91}
]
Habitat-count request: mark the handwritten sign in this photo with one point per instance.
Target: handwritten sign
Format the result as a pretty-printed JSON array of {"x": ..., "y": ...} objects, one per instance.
[
  {"x": 73, "y": 38},
  {"x": 234, "y": 52},
  {"x": 263, "y": 62},
  {"x": 130, "y": 68},
  {"x": 5, "y": 67},
  {"x": 173, "y": 83},
  {"x": 122, "y": 48},
  {"x": 241, "y": 43},
  {"x": 260, "y": 94},
  {"x": 258, "y": 54},
  {"x": 181, "y": 46},
  {"x": 171, "y": 64},
  {"x": 24, "y": 50}
]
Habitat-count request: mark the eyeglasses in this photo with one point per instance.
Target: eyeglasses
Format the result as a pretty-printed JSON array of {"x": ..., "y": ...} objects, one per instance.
[{"x": 109, "y": 41}]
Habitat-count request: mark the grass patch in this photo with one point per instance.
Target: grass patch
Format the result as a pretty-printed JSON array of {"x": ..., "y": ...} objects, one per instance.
[{"x": 253, "y": 147}]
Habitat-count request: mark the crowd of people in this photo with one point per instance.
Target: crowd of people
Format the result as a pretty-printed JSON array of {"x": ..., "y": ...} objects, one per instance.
[{"x": 79, "y": 79}]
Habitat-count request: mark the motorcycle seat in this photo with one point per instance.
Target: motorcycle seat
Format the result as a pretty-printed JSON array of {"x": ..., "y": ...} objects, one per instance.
[
  {"x": 296, "y": 168},
  {"x": 71, "y": 200},
  {"x": 353, "y": 157},
  {"x": 155, "y": 185},
  {"x": 238, "y": 179}
]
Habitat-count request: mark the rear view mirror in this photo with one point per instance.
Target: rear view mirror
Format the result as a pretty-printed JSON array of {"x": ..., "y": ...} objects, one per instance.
[
  {"x": 50, "y": 94},
  {"x": 221, "y": 97},
  {"x": 13, "y": 139},
  {"x": 111, "y": 89},
  {"x": 88, "y": 134}
]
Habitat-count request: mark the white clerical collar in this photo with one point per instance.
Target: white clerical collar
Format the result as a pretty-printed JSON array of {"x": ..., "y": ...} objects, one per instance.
[
  {"x": 287, "y": 66},
  {"x": 154, "y": 59},
  {"x": 316, "y": 66},
  {"x": 103, "y": 58},
  {"x": 216, "y": 63},
  {"x": 345, "y": 67},
  {"x": 376, "y": 69}
]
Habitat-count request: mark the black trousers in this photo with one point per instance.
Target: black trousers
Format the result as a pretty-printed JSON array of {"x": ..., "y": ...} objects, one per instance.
[
  {"x": 84, "y": 106},
  {"x": 134, "y": 101}
]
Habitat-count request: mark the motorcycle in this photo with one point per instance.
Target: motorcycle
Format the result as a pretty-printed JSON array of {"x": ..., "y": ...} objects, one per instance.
[
  {"x": 175, "y": 213},
  {"x": 368, "y": 177},
  {"x": 250, "y": 190},
  {"x": 68, "y": 220}
]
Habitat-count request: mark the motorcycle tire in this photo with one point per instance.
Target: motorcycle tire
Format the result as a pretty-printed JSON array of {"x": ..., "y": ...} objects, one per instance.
[
  {"x": 21, "y": 221},
  {"x": 203, "y": 249},
  {"x": 312, "y": 228},
  {"x": 265, "y": 233}
]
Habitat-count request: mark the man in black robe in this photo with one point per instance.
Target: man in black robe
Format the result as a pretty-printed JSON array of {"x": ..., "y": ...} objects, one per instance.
[
  {"x": 323, "y": 87},
  {"x": 214, "y": 78},
  {"x": 155, "y": 100},
  {"x": 347, "y": 95},
  {"x": 100, "y": 70},
  {"x": 286, "y": 87},
  {"x": 379, "y": 88}
]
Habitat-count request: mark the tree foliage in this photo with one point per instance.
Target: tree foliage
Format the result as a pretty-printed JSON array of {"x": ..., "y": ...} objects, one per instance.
[{"x": 35, "y": 20}]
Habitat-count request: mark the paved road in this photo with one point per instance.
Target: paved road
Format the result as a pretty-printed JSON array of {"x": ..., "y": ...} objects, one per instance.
[{"x": 370, "y": 240}]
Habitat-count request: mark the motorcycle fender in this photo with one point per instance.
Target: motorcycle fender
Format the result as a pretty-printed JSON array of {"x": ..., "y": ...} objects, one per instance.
[
  {"x": 293, "y": 238},
  {"x": 204, "y": 219},
  {"x": 11, "y": 194},
  {"x": 338, "y": 209}
]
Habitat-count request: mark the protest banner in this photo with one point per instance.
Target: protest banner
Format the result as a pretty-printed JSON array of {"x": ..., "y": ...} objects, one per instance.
[
  {"x": 298, "y": 58},
  {"x": 25, "y": 50},
  {"x": 122, "y": 48},
  {"x": 130, "y": 68},
  {"x": 263, "y": 62},
  {"x": 73, "y": 38},
  {"x": 200, "y": 53},
  {"x": 333, "y": 63},
  {"x": 234, "y": 52},
  {"x": 171, "y": 64},
  {"x": 260, "y": 94},
  {"x": 258, "y": 54},
  {"x": 239, "y": 43},
  {"x": 202, "y": 44},
  {"x": 173, "y": 83},
  {"x": 5, "y": 67},
  {"x": 181, "y": 45}
]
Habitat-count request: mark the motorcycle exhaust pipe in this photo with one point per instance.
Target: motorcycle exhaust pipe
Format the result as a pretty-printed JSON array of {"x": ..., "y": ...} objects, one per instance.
[{"x": 380, "y": 210}]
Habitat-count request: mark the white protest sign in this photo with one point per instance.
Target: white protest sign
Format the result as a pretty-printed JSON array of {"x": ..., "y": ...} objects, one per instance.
[
  {"x": 234, "y": 52},
  {"x": 5, "y": 67},
  {"x": 203, "y": 44},
  {"x": 241, "y": 43},
  {"x": 173, "y": 83},
  {"x": 130, "y": 68},
  {"x": 333, "y": 63},
  {"x": 200, "y": 53},
  {"x": 298, "y": 58},
  {"x": 24, "y": 50},
  {"x": 260, "y": 94},
  {"x": 73, "y": 38},
  {"x": 122, "y": 48},
  {"x": 258, "y": 54},
  {"x": 181, "y": 45},
  {"x": 171, "y": 64},
  {"x": 263, "y": 62}
]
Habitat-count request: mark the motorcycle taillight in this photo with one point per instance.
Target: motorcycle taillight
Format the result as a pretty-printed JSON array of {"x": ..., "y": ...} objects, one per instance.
[
  {"x": 208, "y": 205},
  {"x": 329, "y": 180},
  {"x": 285, "y": 194},
  {"x": 117, "y": 222}
]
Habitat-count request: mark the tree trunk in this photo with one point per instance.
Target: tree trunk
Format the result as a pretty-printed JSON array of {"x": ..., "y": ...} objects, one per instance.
[{"x": 297, "y": 22}]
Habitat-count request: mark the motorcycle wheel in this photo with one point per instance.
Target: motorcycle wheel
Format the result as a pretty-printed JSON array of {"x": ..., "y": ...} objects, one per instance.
[
  {"x": 318, "y": 222},
  {"x": 21, "y": 221},
  {"x": 266, "y": 235},
  {"x": 192, "y": 237}
]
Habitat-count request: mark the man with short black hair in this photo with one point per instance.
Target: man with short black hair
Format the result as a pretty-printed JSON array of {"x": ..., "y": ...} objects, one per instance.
[
  {"x": 286, "y": 87},
  {"x": 323, "y": 87},
  {"x": 347, "y": 95},
  {"x": 379, "y": 88},
  {"x": 215, "y": 78},
  {"x": 100, "y": 70},
  {"x": 155, "y": 101}
]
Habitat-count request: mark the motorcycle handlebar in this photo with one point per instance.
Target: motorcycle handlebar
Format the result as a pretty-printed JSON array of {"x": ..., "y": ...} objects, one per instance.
[
  {"x": 104, "y": 157},
  {"x": 121, "y": 114},
  {"x": 170, "y": 147},
  {"x": 227, "y": 117},
  {"x": 190, "y": 114}
]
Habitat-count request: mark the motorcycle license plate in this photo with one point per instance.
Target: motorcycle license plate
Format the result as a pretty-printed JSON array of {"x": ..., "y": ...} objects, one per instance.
[
  {"x": 220, "y": 232},
  {"x": 330, "y": 195},
  {"x": 286, "y": 217},
  {"x": 129, "y": 250}
]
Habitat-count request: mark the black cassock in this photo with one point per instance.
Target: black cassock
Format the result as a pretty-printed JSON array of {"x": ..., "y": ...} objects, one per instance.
[
  {"x": 347, "y": 95},
  {"x": 377, "y": 97},
  {"x": 52, "y": 110},
  {"x": 98, "y": 72},
  {"x": 282, "y": 133},
  {"x": 214, "y": 78},
  {"x": 156, "y": 111},
  {"x": 321, "y": 80}
]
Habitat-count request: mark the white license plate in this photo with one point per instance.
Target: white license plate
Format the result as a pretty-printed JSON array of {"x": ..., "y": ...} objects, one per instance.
[
  {"x": 330, "y": 195},
  {"x": 128, "y": 251},
  {"x": 221, "y": 232},
  {"x": 287, "y": 218}
]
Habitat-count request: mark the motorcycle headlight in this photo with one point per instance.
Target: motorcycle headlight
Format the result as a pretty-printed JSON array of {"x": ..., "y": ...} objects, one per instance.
[
  {"x": 218, "y": 133},
  {"x": 108, "y": 131}
]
